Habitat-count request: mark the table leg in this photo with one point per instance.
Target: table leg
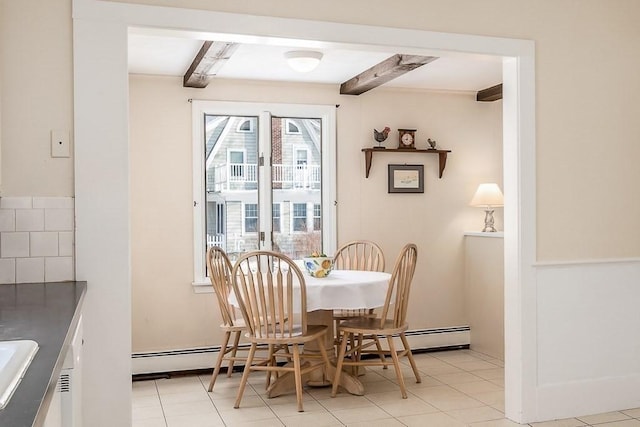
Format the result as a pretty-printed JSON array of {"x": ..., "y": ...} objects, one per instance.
[{"x": 317, "y": 378}]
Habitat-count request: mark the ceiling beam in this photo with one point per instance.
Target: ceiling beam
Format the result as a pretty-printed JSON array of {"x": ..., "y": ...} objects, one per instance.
[
  {"x": 383, "y": 72},
  {"x": 211, "y": 57},
  {"x": 489, "y": 94}
]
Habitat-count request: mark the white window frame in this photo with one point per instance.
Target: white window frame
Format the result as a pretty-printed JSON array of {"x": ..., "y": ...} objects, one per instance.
[
  {"x": 279, "y": 217},
  {"x": 250, "y": 130},
  {"x": 244, "y": 158},
  {"x": 327, "y": 113}
]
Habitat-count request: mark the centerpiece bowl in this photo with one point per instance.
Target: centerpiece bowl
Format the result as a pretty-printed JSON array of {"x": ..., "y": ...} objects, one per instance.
[{"x": 318, "y": 265}]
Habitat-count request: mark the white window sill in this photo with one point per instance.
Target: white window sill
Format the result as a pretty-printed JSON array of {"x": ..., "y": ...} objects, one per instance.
[{"x": 202, "y": 287}]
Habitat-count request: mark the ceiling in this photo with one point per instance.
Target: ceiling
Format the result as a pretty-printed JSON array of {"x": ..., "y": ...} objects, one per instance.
[{"x": 172, "y": 54}]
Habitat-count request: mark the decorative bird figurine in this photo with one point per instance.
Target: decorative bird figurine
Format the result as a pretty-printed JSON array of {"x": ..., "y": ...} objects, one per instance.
[
  {"x": 432, "y": 143},
  {"x": 381, "y": 136}
]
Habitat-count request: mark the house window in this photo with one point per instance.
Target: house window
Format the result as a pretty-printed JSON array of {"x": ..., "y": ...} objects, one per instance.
[
  {"x": 317, "y": 217},
  {"x": 276, "y": 219},
  {"x": 236, "y": 164},
  {"x": 245, "y": 126},
  {"x": 299, "y": 217},
  {"x": 250, "y": 217},
  {"x": 291, "y": 128}
]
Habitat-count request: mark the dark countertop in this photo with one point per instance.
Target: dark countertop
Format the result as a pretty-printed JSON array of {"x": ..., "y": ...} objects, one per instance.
[{"x": 47, "y": 313}]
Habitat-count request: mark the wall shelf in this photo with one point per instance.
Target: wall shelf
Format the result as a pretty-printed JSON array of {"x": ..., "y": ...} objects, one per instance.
[{"x": 368, "y": 156}]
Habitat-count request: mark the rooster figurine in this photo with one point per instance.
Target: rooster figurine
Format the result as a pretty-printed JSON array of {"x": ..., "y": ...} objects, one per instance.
[{"x": 380, "y": 137}]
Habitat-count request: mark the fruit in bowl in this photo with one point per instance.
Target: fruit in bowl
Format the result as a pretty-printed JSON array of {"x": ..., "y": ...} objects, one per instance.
[{"x": 318, "y": 265}]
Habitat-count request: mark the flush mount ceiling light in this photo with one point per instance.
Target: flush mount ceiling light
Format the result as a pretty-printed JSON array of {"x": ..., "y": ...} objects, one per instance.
[{"x": 303, "y": 61}]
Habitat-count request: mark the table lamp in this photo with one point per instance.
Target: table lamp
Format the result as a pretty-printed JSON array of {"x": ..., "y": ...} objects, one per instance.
[{"x": 488, "y": 196}]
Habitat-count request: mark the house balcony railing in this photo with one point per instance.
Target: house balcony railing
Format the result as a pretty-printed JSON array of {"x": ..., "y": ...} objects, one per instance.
[{"x": 243, "y": 176}]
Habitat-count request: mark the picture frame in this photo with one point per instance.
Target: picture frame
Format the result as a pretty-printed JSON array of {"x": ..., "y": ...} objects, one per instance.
[{"x": 406, "y": 179}]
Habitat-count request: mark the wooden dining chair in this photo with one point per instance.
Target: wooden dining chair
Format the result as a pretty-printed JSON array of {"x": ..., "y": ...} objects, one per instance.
[
  {"x": 392, "y": 321},
  {"x": 271, "y": 293},
  {"x": 220, "y": 267},
  {"x": 363, "y": 255}
]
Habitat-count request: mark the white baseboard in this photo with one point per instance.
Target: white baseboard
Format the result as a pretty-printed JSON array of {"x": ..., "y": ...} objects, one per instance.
[{"x": 204, "y": 358}]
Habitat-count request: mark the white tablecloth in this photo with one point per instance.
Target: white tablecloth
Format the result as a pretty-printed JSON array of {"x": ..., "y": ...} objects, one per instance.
[
  {"x": 347, "y": 289},
  {"x": 343, "y": 289}
]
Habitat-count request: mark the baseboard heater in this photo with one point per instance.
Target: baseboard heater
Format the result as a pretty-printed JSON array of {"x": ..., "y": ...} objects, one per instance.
[{"x": 159, "y": 364}]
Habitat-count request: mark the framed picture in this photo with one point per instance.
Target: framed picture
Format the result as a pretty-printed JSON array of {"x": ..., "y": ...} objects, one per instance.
[{"x": 406, "y": 178}]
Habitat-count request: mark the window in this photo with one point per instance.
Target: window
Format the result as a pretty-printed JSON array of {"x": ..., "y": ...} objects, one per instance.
[
  {"x": 275, "y": 216},
  {"x": 299, "y": 217},
  {"x": 236, "y": 164},
  {"x": 250, "y": 217},
  {"x": 245, "y": 126},
  {"x": 291, "y": 128},
  {"x": 251, "y": 181},
  {"x": 317, "y": 217}
]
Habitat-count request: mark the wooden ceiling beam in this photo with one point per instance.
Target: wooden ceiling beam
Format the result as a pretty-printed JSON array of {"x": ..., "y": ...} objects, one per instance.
[
  {"x": 489, "y": 94},
  {"x": 211, "y": 57},
  {"x": 383, "y": 72}
]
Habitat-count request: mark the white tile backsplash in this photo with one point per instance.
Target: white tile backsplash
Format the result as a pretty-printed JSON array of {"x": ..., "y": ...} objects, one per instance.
[
  {"x": 43, "y": 243},
  {"x": 16, "y": 202},
  {"x": 58, "y": 219},
  {"x": 14, "y": 244},
  {"x": 58, "y": 269},
  {"x": 29, "y": 270},
  {"x": 7, "y": 220},
  {"x": 65, "y": 243},
  {"x": 36, "y": 239},
  {"x": 7, "y": 270},
  {"x": 29, "y": 219},
  {"x": 53, "y": 202}
]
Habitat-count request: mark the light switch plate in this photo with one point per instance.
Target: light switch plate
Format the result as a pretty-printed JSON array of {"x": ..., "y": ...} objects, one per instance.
[{"x": 60, "y": 143}]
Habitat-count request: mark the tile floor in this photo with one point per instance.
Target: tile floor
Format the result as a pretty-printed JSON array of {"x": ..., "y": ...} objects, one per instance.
[{"x": 459, "y": 388}]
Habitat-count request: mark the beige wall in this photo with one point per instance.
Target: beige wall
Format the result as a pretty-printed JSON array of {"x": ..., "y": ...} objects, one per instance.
[
  {"x": 166, "y": 312},
  {"x": 36, "y": 86},
  {"x": 586, "y": 101}
]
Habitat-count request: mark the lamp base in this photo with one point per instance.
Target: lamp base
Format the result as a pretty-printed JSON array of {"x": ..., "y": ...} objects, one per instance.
[{"x": 488, "y": 222}]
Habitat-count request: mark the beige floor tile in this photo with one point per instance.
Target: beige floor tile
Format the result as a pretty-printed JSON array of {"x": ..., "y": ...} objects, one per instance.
[
  {"x": 147, "y": 412},
  {"x": 195, "y": 420},
  {"x": 635, "y": 412},
  {"x": 498, "y": 382},
  {"x": 307, "y": 419},
  {"x": 385, "y": 422},
  {"x": 144, "y": 388},
  {"x": 272, "y": 422},
  {"x": 476, "y": 387},
  {"x": 476, "y": 365},
  {"x": 457, "y": 378},
  {"x": 567, "y": 422},
  {"x": 247, "y": 402},
  {"x": 490, "y": 398},
  {"x": 457, "y": 356},
  {"x": 142, "y": 401},
  {"x": 150, "y": 422},
  {"x": 179, "y": 385},
  {"x": 625, "y": 423},
  {"x": 387, "y": 397},
  {"x": 495, "y": 423},
  {"x": 310, "y": 406},
  {"x": 443, "y": 369},
  {"x": 345, "y": 401},
  {"x": 449, "y": 403},
  {"x": 436, "y": 391},
  {"x": 405, "y": 407},
  {"x": 438, "y": 419},
  {"x": 186, "y": 408},
  {"x": 347, "y": 416},
  {"x": 490, "y": 374},
  {"x": 191, "y": 396},
  {"x": 232, "y": 417},
  {"x": 474, "y": 415},
  {"x": 604, "y": 418}
]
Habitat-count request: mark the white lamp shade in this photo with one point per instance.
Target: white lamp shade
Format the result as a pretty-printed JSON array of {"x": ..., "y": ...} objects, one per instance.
[
  {"x": 488, "y": 195},
  {"x": 303, "y": 61}
]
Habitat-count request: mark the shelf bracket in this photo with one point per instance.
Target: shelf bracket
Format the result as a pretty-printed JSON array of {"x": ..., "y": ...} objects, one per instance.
[{"x": 368, "y": 157}]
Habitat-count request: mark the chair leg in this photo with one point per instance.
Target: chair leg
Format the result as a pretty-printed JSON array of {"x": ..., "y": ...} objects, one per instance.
[
  {"x": 234, "y": 350},
  {"x": 410, "y": 357},
  {"x": 396, "y": 364},
  {"x": 223, "y": 351},
  {"x": 339, "y": 363},
  {"x": 379, "y": 347},
  {"x": 245, "y": 374},
  {"x": 298, "y": 376}
]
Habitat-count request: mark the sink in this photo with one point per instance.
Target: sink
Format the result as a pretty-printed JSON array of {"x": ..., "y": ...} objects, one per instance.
[{"x": 15, "y": 358}]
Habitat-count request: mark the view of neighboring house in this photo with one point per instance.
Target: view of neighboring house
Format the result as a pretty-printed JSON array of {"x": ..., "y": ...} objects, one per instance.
[{"x": 234, "y": 211}]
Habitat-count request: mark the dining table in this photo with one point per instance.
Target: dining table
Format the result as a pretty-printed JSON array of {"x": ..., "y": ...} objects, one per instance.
[{"x": 340, "y": 290}]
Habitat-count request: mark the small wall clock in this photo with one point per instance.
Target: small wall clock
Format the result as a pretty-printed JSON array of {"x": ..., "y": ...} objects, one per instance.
[{"x": 407, "y": 139}]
